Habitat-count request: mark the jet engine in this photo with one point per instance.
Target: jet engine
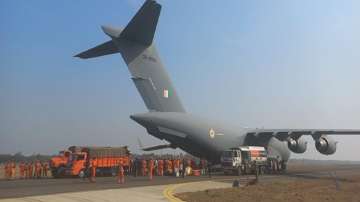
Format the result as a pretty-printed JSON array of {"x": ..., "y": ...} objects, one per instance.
[
  {"x": 297, "y": 145},
  {"x": 325, "y": 145}
]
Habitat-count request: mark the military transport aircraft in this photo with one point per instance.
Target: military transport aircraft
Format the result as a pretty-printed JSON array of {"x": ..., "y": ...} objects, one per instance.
[{"x": 167, "y": 118}]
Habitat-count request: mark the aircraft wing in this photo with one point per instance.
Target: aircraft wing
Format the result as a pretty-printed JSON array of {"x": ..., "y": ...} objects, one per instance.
[
  {"x": 283, "y": 134},
  {"x": 154, "y": 148},
  {"x": 157, "y": 147}
]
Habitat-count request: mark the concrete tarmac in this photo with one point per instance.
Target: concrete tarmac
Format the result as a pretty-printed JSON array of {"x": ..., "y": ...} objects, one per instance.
[
  {"x": 35, "y": 187},
  {"x": 106, "y": 188},
  {"x": 157, "y": 193},
  {"x": 135, "y": 188}
]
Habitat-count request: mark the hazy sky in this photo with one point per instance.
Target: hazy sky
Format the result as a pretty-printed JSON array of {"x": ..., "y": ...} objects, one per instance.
[{"x": 273, "y": 64}]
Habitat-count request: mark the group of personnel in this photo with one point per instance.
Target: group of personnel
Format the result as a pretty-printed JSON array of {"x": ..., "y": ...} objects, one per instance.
[
  {"x": 26, "y": 170},
  {"x": 170, "y": 167},
  {"x": 154, "y": 167},
  {"x": 136, "y": 167},
  {"x": 158, "y": 167}
]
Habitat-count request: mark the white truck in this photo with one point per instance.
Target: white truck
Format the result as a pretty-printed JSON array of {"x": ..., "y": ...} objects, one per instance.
[{"x": 244, "y": 160}]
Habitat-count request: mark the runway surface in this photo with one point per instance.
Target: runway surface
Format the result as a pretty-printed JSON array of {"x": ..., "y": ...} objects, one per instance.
[
  {"x": 40, "y": 187},
  {"x": 33, "y": 187}
]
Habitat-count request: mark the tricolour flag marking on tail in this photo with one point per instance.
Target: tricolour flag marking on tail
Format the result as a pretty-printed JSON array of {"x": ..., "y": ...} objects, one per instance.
[{"x": 166, "y": 93}]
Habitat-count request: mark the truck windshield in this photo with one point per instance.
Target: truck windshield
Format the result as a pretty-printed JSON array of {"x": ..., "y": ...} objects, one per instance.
[
  {"x": 263, "y": 154},
  {"x": 77, "y": 157},
  {"x": 228, "y": 154},
  {"x": 245, "y": 155}
]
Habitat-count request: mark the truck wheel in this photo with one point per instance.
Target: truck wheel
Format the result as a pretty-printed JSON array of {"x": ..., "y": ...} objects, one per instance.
[
  {"x": 262, "y": 170},
  {"x": 113, "y": 172},
  {"x": 82, "y": 174},
  {"x": 60, "y": 172},
  {"x": 54, "y": 173}
]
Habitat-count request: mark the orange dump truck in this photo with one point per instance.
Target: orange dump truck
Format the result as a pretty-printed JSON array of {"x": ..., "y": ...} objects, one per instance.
[
  {"x": 107, "y": 161},
  {"x": 59, "y": 161}
]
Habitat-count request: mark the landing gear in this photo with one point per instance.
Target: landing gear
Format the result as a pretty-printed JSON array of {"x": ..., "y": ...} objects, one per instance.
[
  {"x": 275, "y": 166},
  {"x": 283, "y": 166},
  {"x": 239, "y": 171}
]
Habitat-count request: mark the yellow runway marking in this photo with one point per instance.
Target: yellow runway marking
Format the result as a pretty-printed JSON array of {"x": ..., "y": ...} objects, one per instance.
[{"x": 169, "y": 192}]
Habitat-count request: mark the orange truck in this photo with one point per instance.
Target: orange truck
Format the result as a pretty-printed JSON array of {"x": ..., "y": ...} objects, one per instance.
[
  {"x": 80, "y": 159},
  {"x": 58, "y": 162}
]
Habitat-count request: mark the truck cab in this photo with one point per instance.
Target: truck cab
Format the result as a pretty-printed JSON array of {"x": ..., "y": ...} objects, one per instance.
[
  {"x": 59, "y": 162},
  {"x": 77, "y": 164},
  {"x": 243, "y": 159}
]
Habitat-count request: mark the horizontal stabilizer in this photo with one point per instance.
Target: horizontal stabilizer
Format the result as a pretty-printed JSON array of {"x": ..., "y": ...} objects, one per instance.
[
  {"x": 141, "y": 28},
  {"x": 106, "y": 48}
]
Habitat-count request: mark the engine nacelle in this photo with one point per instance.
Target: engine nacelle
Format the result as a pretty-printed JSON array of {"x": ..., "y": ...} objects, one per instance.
[
  {"x": 297, "y": 145},
  {"x": 325, "y": 145}
]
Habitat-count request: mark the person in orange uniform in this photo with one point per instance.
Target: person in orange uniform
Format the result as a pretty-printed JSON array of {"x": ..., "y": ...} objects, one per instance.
[
  {"x": 45, "y": 169},
  {"x": 38, "y": 169},
  {"x": 22, "y": 170},
  {"x": 143, "y": 167},
  {"x": 170, "y": 167},
  {"x": 93, "y": 170},
  {"x": 151, "y": 169},
  {"x": 189, "y": 163},
  {"x": 25, "y": 170},
  {"x": 160, "y": 167},
  {"x": 30, "y": 169},
  {"x": 121, "y": 176},
  {"x": 176, "y": 167},
  {"x": 6, "y": 170},
  {"x": 13, "y": 169},
  {"x": 166, "y": 165}
]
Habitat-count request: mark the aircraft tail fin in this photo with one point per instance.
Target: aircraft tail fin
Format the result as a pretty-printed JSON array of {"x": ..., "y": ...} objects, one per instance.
[
  {"x": 135, "y": 43},
  {"x": 141, "y": 28}
]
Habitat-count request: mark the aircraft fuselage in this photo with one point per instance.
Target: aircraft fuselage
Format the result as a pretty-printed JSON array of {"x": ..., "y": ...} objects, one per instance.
[{"x": 204, "y": 138}]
